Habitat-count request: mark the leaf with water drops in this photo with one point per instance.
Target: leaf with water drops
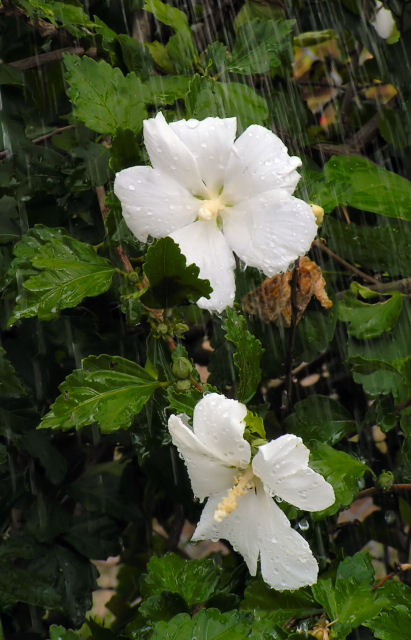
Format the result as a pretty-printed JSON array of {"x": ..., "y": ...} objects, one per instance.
[
  {"x": 195, "y": 581},
  {"x": 109, "y": 390},
  {"x": 366, "y": 186},
  {"x": 64, "y": 272},
  {"x": 369, "y": 320},
  {"x": 247, "y": 355},
  {"x": 118, "y": 101},
  {"x": 320, "y": 418},
  {"x": 341, "y": 470},
  {"x": 208, "y": 624}
]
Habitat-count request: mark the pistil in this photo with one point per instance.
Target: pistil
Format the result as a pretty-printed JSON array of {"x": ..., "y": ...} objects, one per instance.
[{"x": 243, "y": 483}]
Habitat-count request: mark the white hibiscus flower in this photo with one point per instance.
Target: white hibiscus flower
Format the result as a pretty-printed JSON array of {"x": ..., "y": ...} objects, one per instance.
[
  {"x": 240, "y": 507},
  {"x": 214, "y": 195}
]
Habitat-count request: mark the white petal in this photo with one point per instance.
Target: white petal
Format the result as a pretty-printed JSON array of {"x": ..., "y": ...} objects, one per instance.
[
  {"x": 239, "y": 527},
  {"x": 285, "y": 557},
  {"x": 210, "y": 141},
  {"x": 280, "y": 457},
  {"x": 152, "y": 202},
  {"x": 208, "y": 475},
  {"x": 204, "y": 244},
  {"x": 306, "y": 490},
  {"x": 169, "y": 154},
  {"x": 282, "y": 465},
  {"x": 259, "y": 162},
  {"x": 219, "y": 425},
  {"x": 270, "y": 231}
]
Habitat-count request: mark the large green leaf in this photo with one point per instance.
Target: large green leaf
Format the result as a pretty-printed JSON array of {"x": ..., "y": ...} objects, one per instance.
[
  {"x": 118, "y": 102},
  {"x": 369, "y": 320},
  {"x": 261, "y": 46},
  {"x": 341, "y": 470},
  {"x": 193, "y": 580},
  {"x": 367, "y": 246},
  {"x": 359, "y": 183},
  {"x": 67, "y": 271},
  {"x": 320, "y": 418},
  {"x": 209, "y": 98},
  {"x": 279, "y": 606},
  {"x": 171, "y": 281},
  {"x": 351, "y": 601},
  {"x": 247, "y": 355},
  {"x": 108, "y": 390},
  {"x": 208, "y": 624}
]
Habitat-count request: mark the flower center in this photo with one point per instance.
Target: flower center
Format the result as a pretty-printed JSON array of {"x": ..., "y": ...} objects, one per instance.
[
  {"x": 209, "y": 209},
  {"x": 244, "y": 482}
]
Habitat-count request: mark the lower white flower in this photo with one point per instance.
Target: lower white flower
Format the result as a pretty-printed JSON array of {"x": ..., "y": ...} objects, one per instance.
[
  {"x": 240, "y": 507},
  {"x": 215, "y": 195}
]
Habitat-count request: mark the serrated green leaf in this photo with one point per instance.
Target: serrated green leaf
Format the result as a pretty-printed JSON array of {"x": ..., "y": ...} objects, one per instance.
[
  {"x": 70, "y": 15},
  {"x": 320, "y": 418},
  {"x": 261, "y": 46},
  {"x": 255, "y": 424},
  {"x": 341, "y": 470},
  {"x": 118, "y": 102},
  {"x": 66, "y": 271},
  {"x": 368, "y": 321},
  {"x": 162, "y": 607},
  {"x": 351, "y": 600},
  {"x": 247, "y": 357},
  {"x": 167, "y": 89},
  {"x": 209, "y": 98},
  {"x": 194, "y": 580},
  {"x": 391, "y": 625},
  {"x": 208, "y": 624},
  {"x": 279, "y": 606},
  {"x": 108, "y": 390},
  {"x": 183, "y": 402},
  {"x": 367, "y": 187},
  {"x": 172, "y": 282},
  {"x": 57, "y": 632}
]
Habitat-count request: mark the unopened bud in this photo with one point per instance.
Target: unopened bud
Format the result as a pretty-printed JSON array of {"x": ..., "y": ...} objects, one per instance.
[
  {"x": 162, "y": 329},
  {"x": 318, "y": 214},
  {"x": 385, "y": 480},
  {"x": 182, "y": 368},
  {"x": 134, "y": 277},
  {"x": 183, "y": 385},
  {"x": 180, "y": 328}
]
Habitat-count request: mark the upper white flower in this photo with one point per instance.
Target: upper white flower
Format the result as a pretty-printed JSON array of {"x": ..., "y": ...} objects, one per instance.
[
  {"x": 240, "y": 508},
  {"x": 214, "y": 195}
]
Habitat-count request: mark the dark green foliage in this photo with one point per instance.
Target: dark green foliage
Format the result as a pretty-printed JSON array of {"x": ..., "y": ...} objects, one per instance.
[{"x": 102, "y": 339}]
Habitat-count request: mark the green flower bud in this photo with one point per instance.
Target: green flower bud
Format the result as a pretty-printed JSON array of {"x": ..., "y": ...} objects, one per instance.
[
  {"x": 385, "y": 480},
  {"x": 134, "y": 277},
  {"x": 183, "y": 385},
  {"x": 182, "y": 368},
  {"x": 162, "y": 329},
  {"x": 180, "y": 328}
]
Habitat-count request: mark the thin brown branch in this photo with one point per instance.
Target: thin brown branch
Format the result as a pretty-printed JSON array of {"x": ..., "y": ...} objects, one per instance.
[
  {"x": 398, "y": 569},
  {"x": 371, "y": 491},
  {"x": 55, "y": 132},
  {"x": 51, "y": 56},
  {"x": 320, "y": 245},
  {"x": 403, "y": 286},
  {"x": 287, "y": 403},
  {"x": 101, "y": 196},
  {"x": 46, "y": 136}
]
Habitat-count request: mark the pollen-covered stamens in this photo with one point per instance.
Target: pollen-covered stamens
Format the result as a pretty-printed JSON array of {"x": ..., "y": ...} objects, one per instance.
[
  {"x": 243, "y": 483},
  {"x": 210, "y": 208}
]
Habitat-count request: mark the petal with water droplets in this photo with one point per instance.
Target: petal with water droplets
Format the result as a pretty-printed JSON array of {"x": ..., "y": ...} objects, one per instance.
[
  {"x": 210, "y": 141},
  {"x": 259, "y": 162},
  {"x": 204, "y": 244},
  {"x": 152, "y": 202},
  {"x": 207, "y": 474},
  {"x": 169, "y": 154},
  {"x": 219, "y": 425},
  {"x": 270, "y": 231}
]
